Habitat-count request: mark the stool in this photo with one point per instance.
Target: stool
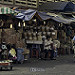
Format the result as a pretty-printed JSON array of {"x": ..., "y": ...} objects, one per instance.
[
  {"x": 49, "y": 54},
  {"x": 35, "y": 53}
]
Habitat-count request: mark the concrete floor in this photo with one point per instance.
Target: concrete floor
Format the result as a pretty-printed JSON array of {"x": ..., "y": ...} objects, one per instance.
[{"x": 64, "y": 65}]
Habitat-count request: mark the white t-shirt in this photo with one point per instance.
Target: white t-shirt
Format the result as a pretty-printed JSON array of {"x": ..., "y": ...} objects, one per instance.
[{"x": 48, "y": 44}]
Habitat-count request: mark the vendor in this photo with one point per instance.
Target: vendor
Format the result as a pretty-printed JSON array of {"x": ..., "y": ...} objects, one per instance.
[
  {"x": 49, "y": 47},
  {"x": 3, "y": 46},
  {"x": 4, "y": 51},
  {"x": 0, "y": 53}
]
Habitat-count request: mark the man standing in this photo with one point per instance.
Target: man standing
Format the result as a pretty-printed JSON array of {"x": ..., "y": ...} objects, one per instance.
[
  {"x": 48, "y": 47},
  {"x": 73, "y": 40},
  {"x": 73, "y": 44}
]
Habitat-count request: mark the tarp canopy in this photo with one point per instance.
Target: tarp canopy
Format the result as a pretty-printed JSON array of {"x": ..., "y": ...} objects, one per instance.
[
  {"x": 63, "y": 20},
  {"x": 6, "y": 10},
  {"x": 28, "y": 15},
  {"x": 60, "y": 20},
  {"x": 44, "y": 16}
]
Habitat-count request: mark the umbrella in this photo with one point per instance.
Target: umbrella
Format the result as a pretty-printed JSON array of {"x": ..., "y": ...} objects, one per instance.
[{"x": 6, "y": 10}]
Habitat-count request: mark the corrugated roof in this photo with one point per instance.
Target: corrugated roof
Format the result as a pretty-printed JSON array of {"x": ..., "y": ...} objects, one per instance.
[{"x": 58, "y": 6}]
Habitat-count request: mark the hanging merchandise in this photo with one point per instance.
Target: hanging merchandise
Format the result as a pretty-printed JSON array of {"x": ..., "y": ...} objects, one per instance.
[{"x": 39, "y": 37}]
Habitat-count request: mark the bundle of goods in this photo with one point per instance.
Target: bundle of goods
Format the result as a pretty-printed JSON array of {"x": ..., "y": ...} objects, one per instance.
[
  {"x": 34, "y": 36},
  {"x": 20, "y": 44},
  {"x": 6, "y": 64},
  {"x": 9, "y": 31},
  {"x": 39, "y": 37}
]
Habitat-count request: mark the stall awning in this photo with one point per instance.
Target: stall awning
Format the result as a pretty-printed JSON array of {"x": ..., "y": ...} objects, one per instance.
[
  {"x": 26, "y": 15},
  {"x": 59, "y": 18},
  {"x": 6, "y": 10},
  {"x": 29, "y": 14},
  {"x": 63, "y": 20}
]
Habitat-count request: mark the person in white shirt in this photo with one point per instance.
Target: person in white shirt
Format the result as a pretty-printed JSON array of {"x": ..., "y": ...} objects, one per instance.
[
  {"x": 73, "y": 40},
  {"x": 73, "y": 44},
  {"x": 48, "y": 47}
]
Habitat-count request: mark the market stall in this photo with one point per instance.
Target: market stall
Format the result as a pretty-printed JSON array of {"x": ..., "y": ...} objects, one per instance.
[
  {"x": 37, "y": 25},
  {"x": 5, "y": 12},
  {"x": 6, "y": 65}
]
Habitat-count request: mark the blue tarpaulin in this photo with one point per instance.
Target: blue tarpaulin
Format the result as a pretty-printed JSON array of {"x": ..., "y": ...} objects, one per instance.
[
  {"x": 43, "y": 15},
  {"x": 28, "y": 15},
  {"x": 63, "y": 20},
  {"x": 60, "y": 20}
]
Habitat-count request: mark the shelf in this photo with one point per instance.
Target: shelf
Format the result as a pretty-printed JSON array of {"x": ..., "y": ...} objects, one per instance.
[{"x": 33, "y": 42}]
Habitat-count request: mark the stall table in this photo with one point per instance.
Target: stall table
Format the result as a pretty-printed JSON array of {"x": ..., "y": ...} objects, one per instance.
[{"x": 35, "y": 48}]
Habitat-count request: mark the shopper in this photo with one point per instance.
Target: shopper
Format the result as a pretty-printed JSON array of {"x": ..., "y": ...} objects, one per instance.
[
  {"x": 57, "y": 46},
  {"x": 73, "y": 44},
  {"x": 20, "y": 56},
  {"x": 73, "y": 40}
]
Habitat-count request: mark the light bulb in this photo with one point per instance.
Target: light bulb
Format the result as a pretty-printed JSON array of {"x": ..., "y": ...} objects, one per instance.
[
  {"x": 19, "y": 24},
  {"x": 24, "y": 24},
  {"x": 11, "y": 26},
  {"x": 34, "y": 20}
]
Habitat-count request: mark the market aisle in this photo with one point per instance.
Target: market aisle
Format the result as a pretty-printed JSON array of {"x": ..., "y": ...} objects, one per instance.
[{"x": 64, "y": 65}]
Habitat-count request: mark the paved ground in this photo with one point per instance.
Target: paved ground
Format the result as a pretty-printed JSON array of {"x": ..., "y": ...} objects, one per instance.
[{"x": 64, "y": 65}]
